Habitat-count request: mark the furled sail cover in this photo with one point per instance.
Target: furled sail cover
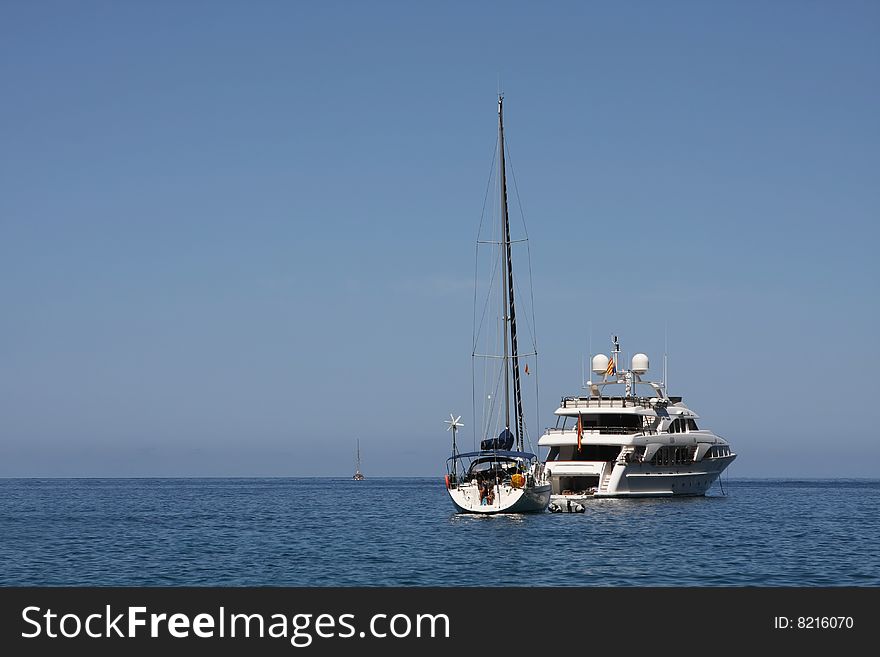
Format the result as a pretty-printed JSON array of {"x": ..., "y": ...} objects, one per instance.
[{"x": 503, "y": 441}]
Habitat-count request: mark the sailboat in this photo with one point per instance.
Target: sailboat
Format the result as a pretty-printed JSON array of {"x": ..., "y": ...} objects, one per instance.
[
  {"x": 358, "y": 475},
  {"x": 500, "y": 477}
]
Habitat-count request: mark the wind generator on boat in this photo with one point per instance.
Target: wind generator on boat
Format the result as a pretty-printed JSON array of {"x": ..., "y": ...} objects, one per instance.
[{"x": 500, "y": 477}]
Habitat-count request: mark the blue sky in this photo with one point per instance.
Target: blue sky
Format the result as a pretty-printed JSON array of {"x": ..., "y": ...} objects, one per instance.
[{"x": 235, "y": 237}]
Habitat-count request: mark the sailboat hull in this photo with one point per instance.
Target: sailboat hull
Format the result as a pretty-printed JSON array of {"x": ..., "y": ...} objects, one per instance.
[{"x": 532, "y": 499}]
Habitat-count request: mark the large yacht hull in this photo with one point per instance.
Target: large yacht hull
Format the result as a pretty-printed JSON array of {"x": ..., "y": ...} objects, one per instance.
[
  {"x": 646, "y": 480},
  {"x": 532, "y": 499}
]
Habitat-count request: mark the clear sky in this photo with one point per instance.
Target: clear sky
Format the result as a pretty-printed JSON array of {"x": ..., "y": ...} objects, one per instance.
[{"x": 237, "y": 236}]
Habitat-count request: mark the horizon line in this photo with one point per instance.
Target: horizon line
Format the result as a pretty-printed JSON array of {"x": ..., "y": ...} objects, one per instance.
[{"x": 92, "y": 477}]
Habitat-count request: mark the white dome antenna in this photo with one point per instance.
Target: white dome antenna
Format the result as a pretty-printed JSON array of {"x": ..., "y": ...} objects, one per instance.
[
  {"x": 640, "y": 363},
  {"x": 600, "y": 363}
]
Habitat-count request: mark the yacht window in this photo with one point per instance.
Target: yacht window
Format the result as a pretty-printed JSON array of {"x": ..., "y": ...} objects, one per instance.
[
  {"x": 692, "y": 425},
  {"x": 596, "y": 453},
  {"x": 669, "y": 455},
  {"x": 661, "y": 457},
  {"x": 564, "y": 421},
  {"x": 612, "y": 422},
  {"x": 683, "y": 455},
  {"x": 554, "y": 452}
]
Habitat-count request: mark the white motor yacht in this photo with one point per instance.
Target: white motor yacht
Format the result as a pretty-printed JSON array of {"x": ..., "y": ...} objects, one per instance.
[{"x": 628, "y": 444}]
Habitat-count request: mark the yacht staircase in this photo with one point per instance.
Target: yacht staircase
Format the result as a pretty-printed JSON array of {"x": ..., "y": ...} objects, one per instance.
[{"x": 606, "y": 477}]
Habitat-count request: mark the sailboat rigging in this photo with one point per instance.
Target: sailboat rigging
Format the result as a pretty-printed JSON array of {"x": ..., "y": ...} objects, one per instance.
[{"x": 501, "y": 476}]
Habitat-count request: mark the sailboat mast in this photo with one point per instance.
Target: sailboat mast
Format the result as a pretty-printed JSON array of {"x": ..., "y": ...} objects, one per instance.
[
  {"x": 505, "y": 245},
  {"x": 511, "y": 355}
]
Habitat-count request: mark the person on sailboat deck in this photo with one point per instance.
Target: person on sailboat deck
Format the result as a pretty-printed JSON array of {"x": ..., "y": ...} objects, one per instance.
[{"x": 484, "y": 492}]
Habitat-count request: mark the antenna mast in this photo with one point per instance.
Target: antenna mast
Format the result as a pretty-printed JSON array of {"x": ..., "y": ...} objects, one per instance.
[
  {"x": 616, "y": 353},
  {"x": 665, "y": 367}
]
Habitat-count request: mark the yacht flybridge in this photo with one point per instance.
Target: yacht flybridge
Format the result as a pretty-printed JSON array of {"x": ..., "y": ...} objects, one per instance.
[{"x": 641, "y": 443}]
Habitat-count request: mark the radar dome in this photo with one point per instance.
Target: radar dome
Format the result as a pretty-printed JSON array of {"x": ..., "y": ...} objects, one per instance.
[
  {"x": 600, "y": 363},
  {"x": 640, "y": 363}
]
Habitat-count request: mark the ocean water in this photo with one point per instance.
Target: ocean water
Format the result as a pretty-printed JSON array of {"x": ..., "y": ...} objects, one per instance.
[{"x": 404, "y": 532}]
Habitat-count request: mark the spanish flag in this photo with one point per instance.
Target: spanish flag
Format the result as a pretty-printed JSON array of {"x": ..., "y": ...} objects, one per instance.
[
  {"x": 610, "y": 369},
  {"x": 580, "y": 430}
]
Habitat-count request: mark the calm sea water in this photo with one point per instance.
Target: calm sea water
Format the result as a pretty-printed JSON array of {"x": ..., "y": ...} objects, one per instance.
[{"x": 403, "y": 532}]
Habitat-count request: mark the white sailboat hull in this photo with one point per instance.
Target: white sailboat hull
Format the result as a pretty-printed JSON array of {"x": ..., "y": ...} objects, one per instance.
[{"x": 531, "y": 499}]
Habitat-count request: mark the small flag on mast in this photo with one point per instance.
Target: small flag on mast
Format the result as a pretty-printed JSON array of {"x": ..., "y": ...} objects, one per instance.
[{"x": 527, "y": 368}]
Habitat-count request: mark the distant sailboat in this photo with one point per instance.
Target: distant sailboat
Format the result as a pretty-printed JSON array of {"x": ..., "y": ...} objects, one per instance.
[{"x": 358, "y": 475}]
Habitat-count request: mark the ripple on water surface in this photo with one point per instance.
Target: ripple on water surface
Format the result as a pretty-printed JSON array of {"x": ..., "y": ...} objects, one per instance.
[{"x": 403, "y": 532}]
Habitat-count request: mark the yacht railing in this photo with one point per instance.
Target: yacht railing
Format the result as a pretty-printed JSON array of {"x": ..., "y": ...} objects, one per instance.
[
  {"x": 615, "y": 402},
  {"x": 613, "y": 431}
]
